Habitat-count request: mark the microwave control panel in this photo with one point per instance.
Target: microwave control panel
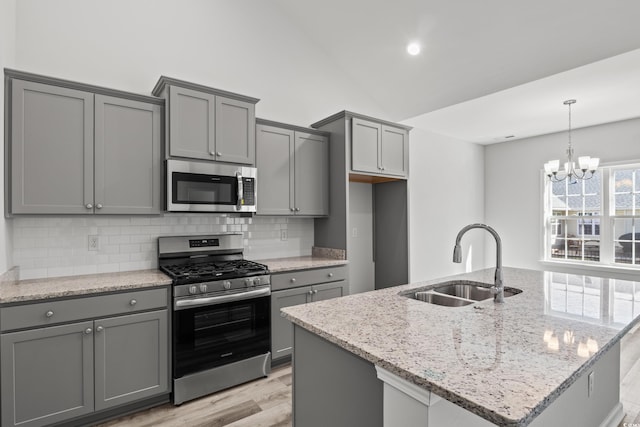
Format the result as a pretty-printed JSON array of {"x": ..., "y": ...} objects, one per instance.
[{"x": 249, "y": 191}]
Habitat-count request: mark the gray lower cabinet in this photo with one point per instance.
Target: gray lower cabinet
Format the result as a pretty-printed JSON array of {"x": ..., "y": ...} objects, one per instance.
[
  {"x": 206, "y": 123},
  {"x": 47, "y": 374},
  {"x": 293, "y": 170},
  {"x": 379, "y": 148},
  {"x": 56, "y": 373},
  {"x": 327, "y": 283},
  {"x": 77, "y": 152}
]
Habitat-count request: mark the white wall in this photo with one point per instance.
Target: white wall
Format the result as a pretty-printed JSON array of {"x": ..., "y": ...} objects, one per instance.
[
  {"x": 513, "y": 181},
  {"x": 361, "y": 265},
  {"x": 247, "y": 47},
  {"x": 7, "y": 59},
  {"x": 446, "y": 193}
]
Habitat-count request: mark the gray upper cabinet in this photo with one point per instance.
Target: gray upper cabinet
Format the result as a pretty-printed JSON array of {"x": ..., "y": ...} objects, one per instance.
[
  {"x": 206, "y": 123},
  {"x": 51, "y": 149},
  {"x": 379, "y": 148},
  {"x": 191, "y": 123},
  {"x": 127, "y": 156},
  {"x": 293, "y": 170},
  {"x": 75, "y": 151}
]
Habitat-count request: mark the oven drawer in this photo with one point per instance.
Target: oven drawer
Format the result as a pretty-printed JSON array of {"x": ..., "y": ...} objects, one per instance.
[
  {"x": 293, "y": 279},
  {"x": 53, "y": 312}
]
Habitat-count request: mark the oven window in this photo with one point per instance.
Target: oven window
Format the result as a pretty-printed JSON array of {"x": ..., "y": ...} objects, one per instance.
[
  {"x": 210, "y": 336},
  {"x": 192, "y": 188}
]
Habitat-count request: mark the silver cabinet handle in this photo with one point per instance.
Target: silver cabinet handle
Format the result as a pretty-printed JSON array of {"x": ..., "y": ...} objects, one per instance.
[
  {"x": 310, "y": 292},
  {"x": 88, "y": 331},
  {"x": 293, "y": 280},
  {"x": 213, "y": 153},
  {"x": 297, "y": 209},
  {"x": 330, "y": 274},
  {"x": 100, "y": 329},
  {"x": 98, "y": 206},
  {"x": 292, "y": 209},
  {"x": 133, "y": 302},
  {"x": 219, "y": 154},
  {"x": 315, "y": 291},
  {"x": 49, "y": 313},
  {"x": 88, "y": 206}
]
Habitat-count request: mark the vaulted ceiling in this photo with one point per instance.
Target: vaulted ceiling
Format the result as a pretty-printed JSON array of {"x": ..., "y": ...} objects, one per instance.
[{"x": 487, "y": 69}]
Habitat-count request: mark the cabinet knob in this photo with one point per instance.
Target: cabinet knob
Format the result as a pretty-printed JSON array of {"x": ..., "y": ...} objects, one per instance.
[
  {"x": 292, "y": 209},
  {"x": 219, "y": 154},
  {"x": 213, "y": 153},
  {"x": 293, "y": 280},
  {"x": 315, "y": 291},
  {"x": 100, "y": 328},
  {"x": 133, "y": 302},
  {"x": 330, "y": 274},
  {"x": 310, "y": 292},
  {"x": 99, "y": 206},
  {"x": 382, "y": 168},
  {"x": 297, "y": 209},
  {"x": 88, "y": 206},
  {"x": 88, "y": 331},
  {"x": 49, "y": 313}
]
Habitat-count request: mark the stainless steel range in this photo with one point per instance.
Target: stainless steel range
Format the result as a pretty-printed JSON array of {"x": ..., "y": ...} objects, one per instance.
[{"x": 221, "y": 313}]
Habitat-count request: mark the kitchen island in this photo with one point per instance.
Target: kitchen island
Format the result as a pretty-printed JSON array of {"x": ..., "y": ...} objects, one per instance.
[{"x": 547, "y": 356}]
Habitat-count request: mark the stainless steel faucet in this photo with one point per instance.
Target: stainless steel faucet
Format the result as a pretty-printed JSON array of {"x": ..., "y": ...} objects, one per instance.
[{"x": 498, "y": 286}]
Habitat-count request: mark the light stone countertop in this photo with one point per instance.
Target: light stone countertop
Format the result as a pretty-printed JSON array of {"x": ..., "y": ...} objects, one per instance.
[
  {"x": 58, "y": 287},
  {"x": 494, "y": 360},
  {"x": 278, "y": 265}
]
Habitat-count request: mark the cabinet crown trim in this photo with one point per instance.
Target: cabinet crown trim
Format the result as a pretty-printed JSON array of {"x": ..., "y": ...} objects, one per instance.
[
  {"x": 170, "y": 81},
  {"x": 69, "y": 84},
  {"x": 266, "y": 122},
  {"x": 344, "y": 114}
]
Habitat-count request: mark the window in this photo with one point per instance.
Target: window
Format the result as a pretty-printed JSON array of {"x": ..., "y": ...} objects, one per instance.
[{"x": 597, "y": 220}]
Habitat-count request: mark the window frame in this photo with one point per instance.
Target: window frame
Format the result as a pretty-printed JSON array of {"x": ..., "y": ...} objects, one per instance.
[{"x": 606, "y": 222}]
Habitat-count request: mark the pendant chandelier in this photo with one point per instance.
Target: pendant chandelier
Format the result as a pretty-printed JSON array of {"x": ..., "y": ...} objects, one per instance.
[{"x": 586, "y": 165}]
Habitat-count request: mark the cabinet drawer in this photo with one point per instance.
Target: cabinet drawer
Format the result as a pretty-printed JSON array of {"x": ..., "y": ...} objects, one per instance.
[
  {"x": 48, "y": 313},
  {"x": 293, "y": 279}
]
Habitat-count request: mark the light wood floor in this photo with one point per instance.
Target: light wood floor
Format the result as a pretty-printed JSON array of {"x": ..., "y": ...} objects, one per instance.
[{"x": 267, "y": 402}]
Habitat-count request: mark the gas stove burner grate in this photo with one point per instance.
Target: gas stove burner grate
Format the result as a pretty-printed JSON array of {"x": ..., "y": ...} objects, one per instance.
[{"x": 215, "y": 269}]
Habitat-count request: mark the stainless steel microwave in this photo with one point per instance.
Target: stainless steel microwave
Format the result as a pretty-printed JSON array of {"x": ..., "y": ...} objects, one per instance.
[{"x": 194, "y": 186}]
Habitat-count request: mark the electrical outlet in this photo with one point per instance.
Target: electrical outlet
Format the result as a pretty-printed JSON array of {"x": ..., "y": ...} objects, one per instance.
[
  {"x": 284, "y": 235},
  {"x": 94, "y": 243},
  {"x": 590, "y": 386}
]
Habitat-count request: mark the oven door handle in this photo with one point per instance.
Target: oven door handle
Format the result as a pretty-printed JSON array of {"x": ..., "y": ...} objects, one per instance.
[{"x": 198, "y": 302}]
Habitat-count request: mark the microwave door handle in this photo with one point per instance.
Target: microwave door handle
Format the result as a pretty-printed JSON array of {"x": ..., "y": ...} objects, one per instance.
[{"x": 240, "y": 189}]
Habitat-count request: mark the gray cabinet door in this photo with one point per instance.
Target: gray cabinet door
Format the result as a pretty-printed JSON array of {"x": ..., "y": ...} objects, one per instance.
[
  {"x": 281, "y": 330},
  {"x": 365, "y": 145},
  {"x": 275, "y": 158},
  {"x": 47, "y": 374},
  {"x": 235, "y": 131},
  {"x": 329, "y": 290},
  {"x": 127, "y": 156},
  {"x": 131, "y": 358},
  {"x": 394, "y": 150},
  {"x": 311, "y": 174},
  {"x": 191, "y": 123},
  {"x": 51, "y": 149}
]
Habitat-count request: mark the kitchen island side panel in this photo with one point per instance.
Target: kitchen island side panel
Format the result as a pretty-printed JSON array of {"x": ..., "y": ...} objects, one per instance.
[{"x": 333, "y": 387}]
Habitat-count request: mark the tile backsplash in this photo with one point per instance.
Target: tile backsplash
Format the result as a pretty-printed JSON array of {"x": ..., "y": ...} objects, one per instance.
[{"x": 59, "y": 246}]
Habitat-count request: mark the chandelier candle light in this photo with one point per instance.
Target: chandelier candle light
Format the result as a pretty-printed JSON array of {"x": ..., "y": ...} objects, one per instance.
[{"x": 587, "y": 165}]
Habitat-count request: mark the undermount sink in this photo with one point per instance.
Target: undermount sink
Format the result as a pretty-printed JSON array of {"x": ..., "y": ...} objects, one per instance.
[{"x": 457, "y": 293}]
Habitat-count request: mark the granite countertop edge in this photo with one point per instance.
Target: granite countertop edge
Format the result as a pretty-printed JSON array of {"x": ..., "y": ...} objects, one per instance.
[
  {"x": 31, "y": 290},
  {"x": 281, "y": 265}
]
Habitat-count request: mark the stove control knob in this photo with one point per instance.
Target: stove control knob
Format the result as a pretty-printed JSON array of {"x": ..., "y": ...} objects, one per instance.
[
  {"x": 193, "y": 289},
  {"x": 203, "y": 288},
  {"x": 226, "y": 284},
  {"x": 256, "y": 281},
  {"x": 248, "y": 282}
]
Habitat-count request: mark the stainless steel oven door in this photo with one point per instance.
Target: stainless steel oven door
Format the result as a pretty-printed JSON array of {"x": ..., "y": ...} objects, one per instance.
[
  {"x": 212, "y": 335},
  {"x": 210, "y": 187}
]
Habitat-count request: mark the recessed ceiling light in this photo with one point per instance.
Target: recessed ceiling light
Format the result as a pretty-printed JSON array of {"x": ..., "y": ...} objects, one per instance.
[{"x": 413, "y": 48}]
